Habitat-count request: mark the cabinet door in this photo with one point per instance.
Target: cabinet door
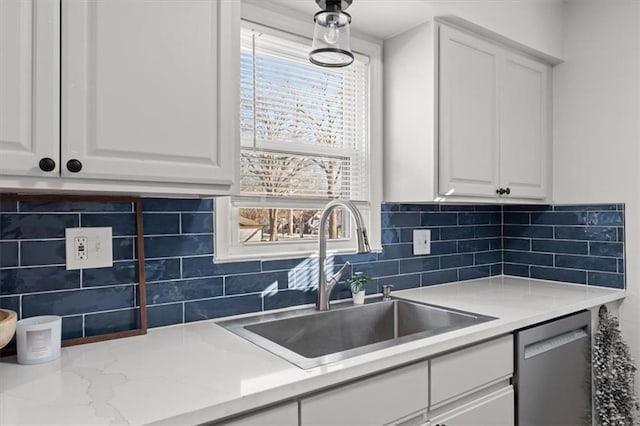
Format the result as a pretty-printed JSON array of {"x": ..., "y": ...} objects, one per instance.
[
  {"x": 496, "y": 409},
  {"x": 29, "y": 86},
  {"x": 149, "y": 89},
  {"x": 282, "y": 415},
  {"x": 375, "y": 401},
  {"x": 468, "y": 115},
  {"x": 524, "y": 128}
]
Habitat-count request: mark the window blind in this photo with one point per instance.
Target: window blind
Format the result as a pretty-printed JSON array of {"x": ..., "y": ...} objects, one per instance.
[{"x": 304, "y": 129}]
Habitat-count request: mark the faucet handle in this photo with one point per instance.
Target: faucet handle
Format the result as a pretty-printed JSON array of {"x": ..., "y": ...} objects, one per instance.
[{"x": 386, "y": 292}]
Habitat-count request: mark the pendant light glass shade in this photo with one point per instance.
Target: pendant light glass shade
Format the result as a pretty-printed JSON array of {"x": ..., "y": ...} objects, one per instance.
[{"x": 331, "y": 45}]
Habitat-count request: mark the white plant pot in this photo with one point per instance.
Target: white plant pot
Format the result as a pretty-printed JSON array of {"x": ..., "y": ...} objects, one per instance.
[{"x": 358, "y": 298}]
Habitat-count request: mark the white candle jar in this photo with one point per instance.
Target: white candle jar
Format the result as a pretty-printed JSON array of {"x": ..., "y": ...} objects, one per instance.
[{"x": 38, "y": 339}]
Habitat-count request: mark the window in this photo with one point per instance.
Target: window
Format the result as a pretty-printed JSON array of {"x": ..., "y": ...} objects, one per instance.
[{"x": 305, "y": 139}]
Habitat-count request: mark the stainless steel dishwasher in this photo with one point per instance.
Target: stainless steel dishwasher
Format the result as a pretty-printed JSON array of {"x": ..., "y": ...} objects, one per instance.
[{"x": 553, "y": 372}]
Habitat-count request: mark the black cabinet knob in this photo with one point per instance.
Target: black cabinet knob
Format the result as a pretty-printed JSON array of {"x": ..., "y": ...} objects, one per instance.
[
  {"x": 499, "y": 192},
  {"x": 502, "y": 191},
  {"x": 74, "y": 166},
  {"x": 47, "y": 164},
  {"x": 507, "y": 191}
]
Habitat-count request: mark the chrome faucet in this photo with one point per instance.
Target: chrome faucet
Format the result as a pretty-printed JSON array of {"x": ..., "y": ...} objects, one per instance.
[{"x": 326, "y": 286}]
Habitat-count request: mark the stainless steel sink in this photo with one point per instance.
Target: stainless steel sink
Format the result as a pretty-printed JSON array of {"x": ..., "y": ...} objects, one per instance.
[{"x": 309, "y": 338}]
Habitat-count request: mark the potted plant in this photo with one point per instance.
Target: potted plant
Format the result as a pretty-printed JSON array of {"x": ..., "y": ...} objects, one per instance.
[{"x": 357, "y": 282}]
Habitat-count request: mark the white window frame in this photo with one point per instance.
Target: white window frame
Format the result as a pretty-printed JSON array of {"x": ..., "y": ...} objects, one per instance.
[{"x": 227, "y": 248}]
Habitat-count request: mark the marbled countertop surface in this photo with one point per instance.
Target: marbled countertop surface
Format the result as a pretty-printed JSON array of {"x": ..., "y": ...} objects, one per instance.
[{"x": 191, "y": 373}]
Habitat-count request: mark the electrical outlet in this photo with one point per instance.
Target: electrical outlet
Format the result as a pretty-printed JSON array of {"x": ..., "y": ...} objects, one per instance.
[
  {"x": 89, "y": 248},
  {"x": 421, "y": 241}
]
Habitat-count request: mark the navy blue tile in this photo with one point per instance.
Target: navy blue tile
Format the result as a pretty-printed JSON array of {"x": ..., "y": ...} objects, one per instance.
[
  {"x": 439, "y": 219},
  {"x": 402, "y": 282},
  {"x": 180, "y": 245},
  {"x": 466, "y": 246},
  {"x": 559, "y": 274},
  {"x": 620, "y": 233},
  {"x": 74, "y": 206},
  {"x": 418, "y": 207},
  {"x": 606, "y": 218},
  {"x": 541, "y": 259},
  {"x": 29, "y": 280},
  {"x": 488, "y": 257},
  {"x": 621, "y": 266},
  {"x": 605, "y": 280},
  {"x": 488, "y": 207},
  {"x": 162, "y": 315},
  {"x": 8, "y": 253},
  {"x": 495, "y": 244},
  {"x": 287, "y": 264},
  {"x": 606, "y": 249},
  {"x": 457, "y": 207},
  {"x": 444, "y": 247},
  {"x": 389, "y": 207},
  {"x": 193, "y": 267},
  {"x": 251, "y": 283},
  {"x": 378, "y": 269},
  {"x": 173, "y": 205},
  {"x": 390, "y": 236},
  {"x": 456, "y": 261},
  {"x": 515, "y": 269},
  {"x": 474, "y": 272},
  {"x": 584, "y": 207},
  {"x": 50, "y": 252},
  {"x": 457, "y": 232},
  {"x": 522, "y": 244},
  {"x": 8, "y": 206},
  {"x": 125, "y": 272},
  {"x": 222, "y": 307},
  {"x": 111, "y": 322},
  {"x": 400, "y": 219},
  {"x": 439, "y": 277},
  {"x": 524, "y": 231},
  {"x": 593, "y": 233},
  {"x": 179, "y": 291},
  {"x": 619, "y": 206},
  {"x": 475, "y": 218},
  {"x": 526, "y": 208},
  {"x": 10, "y": 302},
  {"x": 161, "y": 223},
  {"x": 488, "y": 231},
  {"x": 340, "y": 259},
  {"x": 560, "y": 246},
  {"x": 606, "y": 264},
  {"x": 72, "y": 327},
  {"x": 35, "y": 226},
  {"x": 419, "y": 264},
  {"x": 124, "y": 248},
  {"x": 161, "y": 269},
  {"x": 496, "y": 269},
  {"x": 286, "y": 298},
  {"x": 516, "y": 218},
  {"x": 396, "y": 251},
  {"x": 197, "y": 223},
  {"x": 120, "y": 223},
  {"x": 559, "y": 218},
  {"x": 75, "y": 302}
]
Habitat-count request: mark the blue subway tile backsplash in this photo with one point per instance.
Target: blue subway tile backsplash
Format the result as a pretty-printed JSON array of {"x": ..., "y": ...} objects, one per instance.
[{"x": 579, "y": 244}]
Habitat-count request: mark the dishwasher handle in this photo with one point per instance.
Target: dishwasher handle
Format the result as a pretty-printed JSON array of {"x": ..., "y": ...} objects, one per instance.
[{"x": 546, "y": 345}]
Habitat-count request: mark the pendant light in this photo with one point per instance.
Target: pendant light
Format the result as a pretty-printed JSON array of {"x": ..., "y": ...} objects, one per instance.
[{"x": 331, "y": 46}]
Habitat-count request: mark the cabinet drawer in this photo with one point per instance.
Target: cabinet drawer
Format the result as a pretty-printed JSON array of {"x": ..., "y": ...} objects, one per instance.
[
  {"x": 495, "y": 409},
  {"x": 282, "y": 415},
  {"x": 468, "y": 369},
  {"x": 375, "y": 401}
]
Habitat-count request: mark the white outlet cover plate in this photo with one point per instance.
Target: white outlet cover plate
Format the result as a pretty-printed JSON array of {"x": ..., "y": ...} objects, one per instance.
[
  {"x": 421, "y": 241},
  {"x": 99, "y": 249}
]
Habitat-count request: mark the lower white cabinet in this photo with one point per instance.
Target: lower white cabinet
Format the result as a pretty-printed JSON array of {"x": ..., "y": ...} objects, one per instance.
[
  {"x": 495, "y": 409},
  {"x": 375, "y": 401},
  {"x": 281, "y": 415}
]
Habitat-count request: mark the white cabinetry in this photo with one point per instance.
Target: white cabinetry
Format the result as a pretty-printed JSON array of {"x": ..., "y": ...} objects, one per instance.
[
  {"x": 148, "y": 96},
  {"x": 281, "y": 415},
  {"x": 467, "y": 117},
  {"x": 29, "y": 86}
]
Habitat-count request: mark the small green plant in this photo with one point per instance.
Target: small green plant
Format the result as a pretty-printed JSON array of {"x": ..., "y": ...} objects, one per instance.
[{"x": 357, "y": 281}]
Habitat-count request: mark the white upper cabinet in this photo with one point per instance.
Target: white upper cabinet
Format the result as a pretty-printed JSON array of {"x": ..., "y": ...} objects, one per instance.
[
  {"x": 480, "y": 117},
  {"x": 148, "y": 96},
  {"x": 29, "y": 87},
  {"x": 469, "y": 161}
]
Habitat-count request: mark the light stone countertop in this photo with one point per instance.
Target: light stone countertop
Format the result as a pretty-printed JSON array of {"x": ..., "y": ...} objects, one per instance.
[{"x": 197, "y": 372}]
